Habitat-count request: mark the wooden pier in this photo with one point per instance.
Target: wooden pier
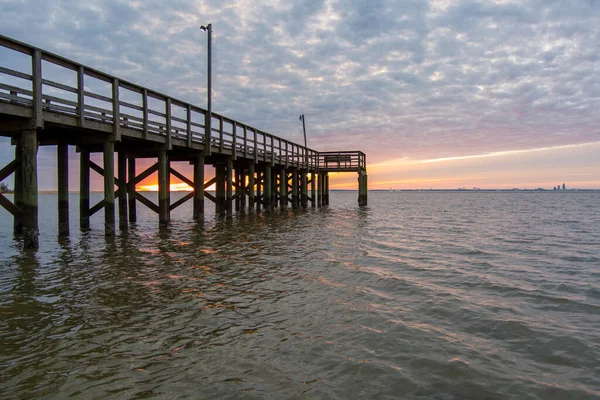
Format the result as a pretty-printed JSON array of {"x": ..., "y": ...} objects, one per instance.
[{"x": 99, "y": 113}]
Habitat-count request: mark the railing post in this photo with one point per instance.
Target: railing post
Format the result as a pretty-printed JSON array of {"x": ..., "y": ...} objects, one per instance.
[
  {"x": 80, "y": 97},
  {"x": 36, "y": 69},
  {"x": 189, "y": 126},
  {"x": 234, "y": 139},
  {"x": 168, "y": 123},
  {"x": 116, "y": 111},
  {"x": 145, "y": 113}
]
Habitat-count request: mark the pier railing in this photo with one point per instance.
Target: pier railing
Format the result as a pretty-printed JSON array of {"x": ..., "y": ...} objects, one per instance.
[
  {"x": 92, "y": 98},
  {"x": 342, "y": 161}
]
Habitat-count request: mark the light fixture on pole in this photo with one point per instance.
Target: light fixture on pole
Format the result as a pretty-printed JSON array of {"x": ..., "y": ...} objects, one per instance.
[{"x": 208, "y": 116}]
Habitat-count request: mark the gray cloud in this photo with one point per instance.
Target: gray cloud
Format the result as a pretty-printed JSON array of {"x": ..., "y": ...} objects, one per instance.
[{"x": 395, "y": 78}]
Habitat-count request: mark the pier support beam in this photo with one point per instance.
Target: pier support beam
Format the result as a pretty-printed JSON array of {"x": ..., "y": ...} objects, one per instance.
[
  {"x": 267, "y": 185},
  {"x": 251, "y": 184},
  {"x": 84, "y": 189},
  {"x": 303, "y": 189},
  {"x": 229, "y": 178},
  {"x": 122, "y": 172},
  {"x": 109, "y": 187},
  {"x": 163, "y": 188},
  {"x": 326, "y": 181},
  {"x": 62, "y": 165},
  {"x": 198, "y": 187},
  {"x": 319, "y": 189},
  {"x": 283, "y": 186},
  {"x": 362, "y": 189},
  {"x": 259, "y": 182},
  {"x": 294, "y": 188},
  {"x": 18, "y": 191},
  {"x": 29, "y": 205},
  {"x": 220, "y": 188},
  {"x": 312, "y": 189},
  {"x": 131, "y": 189}
]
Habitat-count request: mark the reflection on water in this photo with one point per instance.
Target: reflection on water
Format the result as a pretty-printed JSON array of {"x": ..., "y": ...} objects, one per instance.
[{"x": 420, "y": 295}]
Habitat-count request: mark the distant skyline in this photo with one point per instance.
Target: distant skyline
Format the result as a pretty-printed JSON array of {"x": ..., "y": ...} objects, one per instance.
[{"x": 438, "y": 94}]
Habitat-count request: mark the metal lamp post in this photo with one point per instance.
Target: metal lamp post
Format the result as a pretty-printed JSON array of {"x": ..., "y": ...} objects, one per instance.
[
  {"x": 208, "y": 117},
  {"x": 305, "y": 145}
]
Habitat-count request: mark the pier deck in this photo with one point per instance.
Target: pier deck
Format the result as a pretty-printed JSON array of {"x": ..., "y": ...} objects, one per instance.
[{"x": 59, "y": 102}]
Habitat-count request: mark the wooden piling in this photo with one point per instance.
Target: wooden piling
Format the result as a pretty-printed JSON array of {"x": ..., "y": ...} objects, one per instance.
[
  {"x": 122, "y": 172},
  {"x": 303, "y": 189},
  {"x": 131, "y": 189},
  {"x": 198, "y": 187},
  {"x": 294, "y": 188},
  {"x": 259, "y": 180},
  {"x": 229, "y": 178},
  {"x": 251, "y": 184},
  {"x": 243, "y": 187},
  {"x": 109, "y": 187},
  {"x": 312, "y": 188},
  {"x": 62, "y": 165},
  {"x": 84, "y": 189},
  {"x": 326, "y": 190},
  {"x": 18, "y": 190},
  {"x": 29, "y": 208},
  {"x": 267, "y": 184},
  {"x": 319, "y": 189},
  {"x": 163, "y": 188},
  {"x": 283, "y": 182},
  {"x": 220, "y": 188}
]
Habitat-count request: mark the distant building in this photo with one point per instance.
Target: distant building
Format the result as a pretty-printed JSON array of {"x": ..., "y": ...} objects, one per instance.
[
  {"x": 564, "y": 187},
  {"x": 554, "y": 188}
]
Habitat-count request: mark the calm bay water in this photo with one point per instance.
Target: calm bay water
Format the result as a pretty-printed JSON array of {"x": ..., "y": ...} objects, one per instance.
[{"x": 422, "y": 295}]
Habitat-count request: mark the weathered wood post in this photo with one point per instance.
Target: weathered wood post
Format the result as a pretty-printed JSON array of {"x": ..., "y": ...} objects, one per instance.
[
  {"x": 229, "y": 176},
  {"x": 62, "y": 164},
  {"x": 29, "y": 207},
  {"x": 84, "y": 189},
  {"x": 131, "y": 189},
  {"x": 238, "y": 187},
  {"x": 294, "y": 188},
  {"x": 18, "y": 194},
  {"x": 220, "y": 188},
  {"x": 283, "y": 182},
  {"x": 251, "y": 184},
  {"x": 304, "y": 189},
  {"x": 320, "y": 189},
  {"x": 326, "y": 181},
  {"x": 163, "y": 188},
  {"x": 312, "y": 188},
  {"x": 109, "y": 187},
  {"x": 362, "y": 191},
  {"x": 198, "y": 187},
  {"x": 260, "y": 182},
  {"x": 244, "y": 188},
  {"x": 267, "y": 185},
  {"x": 122, "y": 172}
]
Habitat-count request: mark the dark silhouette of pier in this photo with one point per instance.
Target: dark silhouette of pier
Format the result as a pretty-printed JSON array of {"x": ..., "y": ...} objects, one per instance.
[{"x": 100, "y": 113}]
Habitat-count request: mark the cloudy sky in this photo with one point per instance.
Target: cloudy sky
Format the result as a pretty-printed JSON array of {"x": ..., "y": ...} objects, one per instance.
[{"x": 439, "y": 93}]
